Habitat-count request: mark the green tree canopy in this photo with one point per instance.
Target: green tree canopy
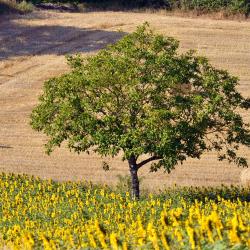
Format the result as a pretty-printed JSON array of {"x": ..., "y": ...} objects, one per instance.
[{"x": 141, "y": 96}]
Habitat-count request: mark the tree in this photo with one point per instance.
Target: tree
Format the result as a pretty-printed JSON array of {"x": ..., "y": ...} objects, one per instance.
[{"x": 143, "y": 98}]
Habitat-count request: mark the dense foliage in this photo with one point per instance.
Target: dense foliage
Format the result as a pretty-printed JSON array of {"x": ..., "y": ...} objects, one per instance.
[
  {"x": 141, "y": 97},
  {"x": 36, "y": 214},
  {"x": 228, "y": 6}
]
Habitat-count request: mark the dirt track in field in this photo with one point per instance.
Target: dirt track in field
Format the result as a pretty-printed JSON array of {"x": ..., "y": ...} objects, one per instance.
[{"x": 32, "y": 49}]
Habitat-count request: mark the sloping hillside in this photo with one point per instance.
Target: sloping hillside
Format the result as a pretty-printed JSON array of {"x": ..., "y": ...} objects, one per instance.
[{"x": 32, "y": 49}]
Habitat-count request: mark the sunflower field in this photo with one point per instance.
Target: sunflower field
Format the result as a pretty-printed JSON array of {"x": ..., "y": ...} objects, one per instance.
[{"x": 44, "y": 214}]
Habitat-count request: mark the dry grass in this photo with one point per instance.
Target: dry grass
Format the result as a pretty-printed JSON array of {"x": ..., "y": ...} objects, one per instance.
[
  {"x": 245, "y": 177},
  {"x": 32, "y": 50}
]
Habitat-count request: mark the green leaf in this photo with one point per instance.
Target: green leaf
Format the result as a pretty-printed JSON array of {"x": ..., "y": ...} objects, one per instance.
[{"x": 140, "y": 96}]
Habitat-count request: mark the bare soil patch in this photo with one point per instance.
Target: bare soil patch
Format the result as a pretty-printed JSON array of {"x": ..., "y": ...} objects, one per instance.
[{"x": 32, "y": 49}]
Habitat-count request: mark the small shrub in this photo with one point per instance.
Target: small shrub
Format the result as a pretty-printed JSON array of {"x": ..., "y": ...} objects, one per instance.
[
  {"x": 25, "y": 7},
  {"x": 12, "y": 7},
  {"x": 81, "y": 7},
  {"x": 123, "y": 184},
  {"x": 8, "y": 7}
]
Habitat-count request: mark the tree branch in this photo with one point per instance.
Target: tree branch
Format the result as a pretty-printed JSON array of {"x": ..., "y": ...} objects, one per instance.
[{"x": 153, "y": 158}]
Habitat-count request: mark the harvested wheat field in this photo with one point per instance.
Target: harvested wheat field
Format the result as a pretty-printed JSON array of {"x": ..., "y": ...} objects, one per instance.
[{"x": 32, "y": 49}]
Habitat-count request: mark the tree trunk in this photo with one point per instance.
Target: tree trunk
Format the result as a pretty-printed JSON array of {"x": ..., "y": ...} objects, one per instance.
[{"x": 134, "y": 178}]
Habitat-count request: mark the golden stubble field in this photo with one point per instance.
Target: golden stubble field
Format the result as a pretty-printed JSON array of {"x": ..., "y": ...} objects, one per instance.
[{"x": 32, "y": 49}]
